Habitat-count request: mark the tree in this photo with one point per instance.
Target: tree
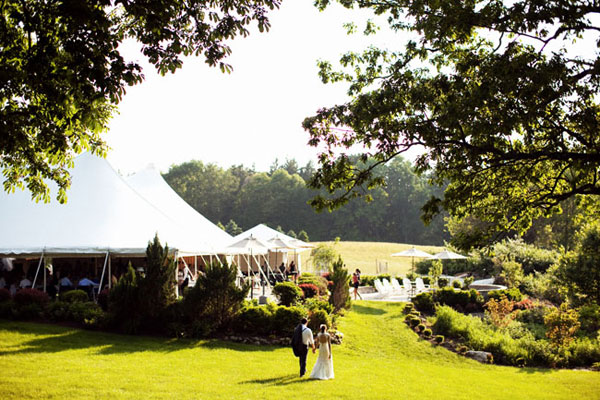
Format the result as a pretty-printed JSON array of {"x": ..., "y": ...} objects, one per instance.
[
  {"x": 208, "y": 188},
  {"x": 302, "y": 235},
  {"x": 323, "y": 256},
  {"x": 506, "y": 111},
  {"x": 157, "y": 287},
  {"x": 340, "y": 295},
  {"x": 435, "y": 271},
  {"x": 580, "y": 269},
  {"x": 124, "y": 302},
  {"x": 63, "y": 73},
  {"x": 232, "y": 228},
  {"x": 215, "y": 298},
  {"x": 561, "y": 325}
]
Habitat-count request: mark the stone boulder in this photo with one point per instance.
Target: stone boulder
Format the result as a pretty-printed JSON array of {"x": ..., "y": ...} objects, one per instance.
[{"x": 481, "y": 356}]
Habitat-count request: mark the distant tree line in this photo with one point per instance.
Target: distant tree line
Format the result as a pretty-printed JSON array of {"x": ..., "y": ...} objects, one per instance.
[{"x": 238, "y": 198}]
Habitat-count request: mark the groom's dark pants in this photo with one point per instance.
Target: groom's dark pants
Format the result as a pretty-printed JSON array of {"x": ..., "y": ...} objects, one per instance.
[{"x": 302, "y": 357}]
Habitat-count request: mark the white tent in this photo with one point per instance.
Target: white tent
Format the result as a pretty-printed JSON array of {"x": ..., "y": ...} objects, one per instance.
[
  {"x": 151, "y": 185},
  {"x": 265, "y": 233},
  {"x": 103, "y": 215}
]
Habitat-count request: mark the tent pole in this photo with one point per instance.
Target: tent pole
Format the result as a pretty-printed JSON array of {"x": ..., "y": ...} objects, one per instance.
[
  {"x": 176, "y": 275},
  {"x": 195, "y": 266},
  {"x": 260, "y": 270},
  {"x": 103, "y": 271},
  {"x": 109, "y": 270},
  {"x": 44, "y": 277},
  {"x": 37, "y": 271}
]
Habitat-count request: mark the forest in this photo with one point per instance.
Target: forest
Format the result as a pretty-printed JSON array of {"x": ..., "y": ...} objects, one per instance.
[{"x": 240, "y": 197}]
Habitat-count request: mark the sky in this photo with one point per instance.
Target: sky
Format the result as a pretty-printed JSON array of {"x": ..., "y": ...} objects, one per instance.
[{"x": 251, "y": 116}]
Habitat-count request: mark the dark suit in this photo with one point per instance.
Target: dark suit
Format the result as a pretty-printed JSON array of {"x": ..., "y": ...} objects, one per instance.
[{"x": 303, "y": 352}]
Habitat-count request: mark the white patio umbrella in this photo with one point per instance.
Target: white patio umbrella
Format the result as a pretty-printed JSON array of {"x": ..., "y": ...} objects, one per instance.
[
  {"x": 249, "y": 245},
  {"x": 413, "y": 252},
  {"x": 448, "y": 255}
]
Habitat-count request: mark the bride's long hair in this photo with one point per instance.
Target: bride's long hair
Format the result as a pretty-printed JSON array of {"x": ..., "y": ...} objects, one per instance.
[{"x": 323, "y": 327}]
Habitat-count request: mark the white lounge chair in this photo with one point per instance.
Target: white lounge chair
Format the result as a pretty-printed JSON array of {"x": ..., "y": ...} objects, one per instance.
[
  {"x": 408, "y": 288},
  {"x": 396, "y": 286},
  {"x": 420, "y": 286},
  {"x": 387, "y": 285},
  {"x": 381, "y": 290}
]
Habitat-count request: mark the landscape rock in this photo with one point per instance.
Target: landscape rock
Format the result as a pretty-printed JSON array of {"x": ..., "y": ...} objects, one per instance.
[{"x": 481, "y": 356}]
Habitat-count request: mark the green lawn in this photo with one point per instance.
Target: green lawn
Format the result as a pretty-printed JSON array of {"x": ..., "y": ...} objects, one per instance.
[
  {"x": 380, "y": 359},
  {"x": 364, "y": 255}
]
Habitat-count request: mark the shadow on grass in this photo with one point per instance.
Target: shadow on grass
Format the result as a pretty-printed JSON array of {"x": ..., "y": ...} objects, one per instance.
[
  {"x": 360, "y": 309},
  {"x": 277, "y": 381},
  {"x": 535, "y": 370},
  {"x": 54, "y": 339}
]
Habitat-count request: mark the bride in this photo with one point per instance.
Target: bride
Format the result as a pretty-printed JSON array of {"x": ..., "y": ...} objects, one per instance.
[{"x": 323, "y": 368}]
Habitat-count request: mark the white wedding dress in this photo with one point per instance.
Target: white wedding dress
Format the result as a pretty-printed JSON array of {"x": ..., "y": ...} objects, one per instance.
[{"x": 323, "y": 368}]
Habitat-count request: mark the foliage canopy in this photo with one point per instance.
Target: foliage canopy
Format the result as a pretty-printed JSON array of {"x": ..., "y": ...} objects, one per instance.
[
  {"x": 495, "y": 91},
  {"x": 62, "y": 74}
]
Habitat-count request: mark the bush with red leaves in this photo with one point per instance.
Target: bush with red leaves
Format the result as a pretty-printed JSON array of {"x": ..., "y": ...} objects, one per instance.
[
  {"x": 31, "y": 296},
  {"x": 309, "y": 290}
]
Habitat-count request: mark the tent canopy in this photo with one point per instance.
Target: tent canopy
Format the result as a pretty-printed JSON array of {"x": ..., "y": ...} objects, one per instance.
[
  {"x": 103, "y": 213},
  {"x": 265, "y": 234},
  {"x": 151, "y": 185}
]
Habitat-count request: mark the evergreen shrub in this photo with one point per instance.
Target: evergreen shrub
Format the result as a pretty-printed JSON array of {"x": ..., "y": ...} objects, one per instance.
[
  {"x": 316, "y": 318},
  {"x": 287, "y": 293},
  {"x": 589, "y": 317},
  {"x": 73, "y": 296},
  {"x": 513, "y": 294},
  {"x": 314, "y": 304},
  {"x": 215, "y": 299},
  {"x": 424, "y": 303},
  {"x": 254, "y": 319},
  {"x": 339, "y": 296},
  {"x": 287, "y": 318}
]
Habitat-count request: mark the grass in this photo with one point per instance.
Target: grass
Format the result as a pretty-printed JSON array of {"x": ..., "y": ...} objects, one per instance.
[
  {"x": 380, "y": 359},
  {"x": 365, "y": 255}
]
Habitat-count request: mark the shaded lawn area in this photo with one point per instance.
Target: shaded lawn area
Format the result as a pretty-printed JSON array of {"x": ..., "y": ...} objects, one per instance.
[{"x": 380, "y": 359}]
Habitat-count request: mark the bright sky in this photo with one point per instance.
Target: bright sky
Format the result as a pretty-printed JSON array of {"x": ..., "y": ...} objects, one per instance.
[{"x": 250, "y": 116}]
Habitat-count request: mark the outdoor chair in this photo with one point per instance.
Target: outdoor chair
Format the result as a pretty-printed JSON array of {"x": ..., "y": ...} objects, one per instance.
[
  {"x": 381, "y": 290},
  {"x": 420, "y": 286},
  {"x": 387, "y": 285},
  {"x": 408, "y": 288},
  {"x": 396, "y": 286}
]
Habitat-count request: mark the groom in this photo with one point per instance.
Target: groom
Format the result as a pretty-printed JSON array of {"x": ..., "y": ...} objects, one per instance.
[{"x": 307, "y": 340}]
